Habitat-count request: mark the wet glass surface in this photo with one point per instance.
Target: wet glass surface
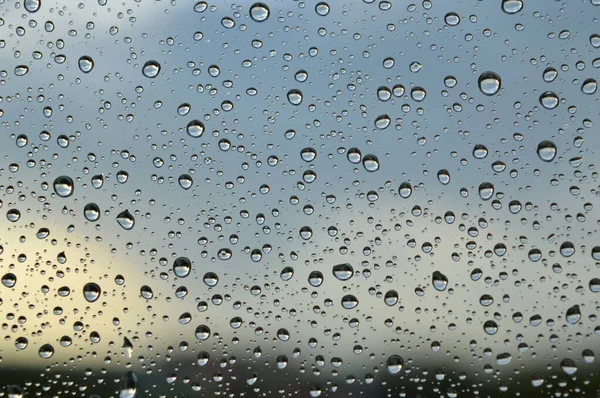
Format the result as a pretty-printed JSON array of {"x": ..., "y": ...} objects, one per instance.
[{"x": 289, "y": 198}]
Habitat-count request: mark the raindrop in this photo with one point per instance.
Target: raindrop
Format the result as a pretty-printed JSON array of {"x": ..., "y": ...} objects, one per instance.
[
  {"x": 486, "y": 190},
  {"x": 546, "y": 151},
  {"x": 371, "y": 163},
  {"x": 21, "y": 70},
  {"x": 322, "y": 9},
  {"x": 125, "y": 220},
  {"x": 443, "y": 176},
  {"x": 549, "y": 74},
  {"x": 86, "y": 64},
  {"x": 391, "y": 297},
  {"x": 452, "y": 19},
  {"x": 512, "y": 6},
  {"x": 573, "y": 314},
  {"x": 202, "y": 332},
  {"x": 343, "y": 272},
  {"x": 382, "y": 122},
  {"x": 259, "y": 12},
  {"x": 405, "y": 190},
  {"x": 195, "y": 128},
  {"x": 91, "y": 292},
  {"x": 151, "y": 69},
  {"x": 568, "y": 366},
  {"x": 394, "y": 364},
  {"x": 185, "y": 181},
  {"x": 315, "y": 278},
  {"x": 32, "y": 5},
  {"x": 9, "y": 280},
  {"x": 489, "y": 83},
  {"x": 210, "y": 279},
  {"x": 549, "y": 100},
  {"x": 439, "y": 281},
  {"x": 128, "y": 385},
  {"x": 286, "y": 274},
  {"x": 354, "y": 155},
  {"x": 294, "y": 96},
  {"x": 349, "y": 301},
  {"x": 63, "y": 186},
  {"x": 146, "y": 292},
  {"x": 91, "y": 212},
  {"x": 182, "y": 267},
  {"x": 46, "y": 351},
  {"x": 589, "y": 86}
]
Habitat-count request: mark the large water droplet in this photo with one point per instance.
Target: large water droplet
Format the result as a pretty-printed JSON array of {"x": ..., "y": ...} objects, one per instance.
[
  {"x": 546, "y": 151},
  {"x": 512, "y": 6},
  {"x": 182, "y": 267},
  {"x": 86, "y": 64},
  {"x": 343, "y": 272},
  {"x": 151, "y": 69},
  {"x": 32, "y": 5},
  {"x": 382, "y": 122},
  {"x": 63, "y": 186},
  {"x": 202, "y": 332},
  {"x": 126, "y": 220},
  {"x": 349, "y": 301},
  {"x": 589, "y": 86},
  {"x": 573, "y": 314},
  {"x": 371, "y": 163},
  {"x": 354, "y": 155},
  {"x": 315, "y": 278},
  {"x": 489, "y": 83},
  {"x": 91, "y": 212},
  {"x": 439, "y": 281},
  {"x": 21, "y": 70},
  {"x": 286, "y": 273},
  {"x": 405, "y": 190},
  {"x": 9, "y": 280},
  {"x": 568, "y": 366},
  {"x": 128, "y": 385},
  {"x": 486, "y": 190},
  {"x": 91, "y": 292},
  {"x": 394, "y": 364},
  {"x": 452, "y": 19},
  {"x": 322, "y": 8},
  {"x": 14, "y": 391},
  {"x": 195, "y": 128},
  {"x": 294, "y": 96},
  {"x": 259, "y": 12},
  {"x": 146, "y": 292},
  {"x": 185, "y": 181},
  {"x": 46, "y": 351},
  {"x": 549, "y": 100}
]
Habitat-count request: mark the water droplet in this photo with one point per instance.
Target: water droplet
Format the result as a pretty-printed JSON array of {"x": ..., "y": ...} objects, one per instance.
[
  {"x": 210, "y": 279},
  {"x": 573, "y": 314},
  {"x": 283, "y": 334},
  {"x": 32, "y": 5},
  {"x": 322, "y": 8},
  {"x": 9, "y": 280},
  {"x": 391, "y": 298},
  {"x": 184, "y": 109},
  {"x": 315, "y": 278},
  {"x": 452, "y": 19},
  {"x": 46, "y": 351},
  {"x": 490, "y": 327},
  {"x": 203, "y": 358},
  {"x": 294, "y": 96},
  {"x": 343, "y": 272},
  {"x": 371, "y": 163},
  {"x": 503, "y": 359},
  {"x": 286, "y": 274},
  {"x": 14, "y": 391},
  {"x": 418, "y": 94},
  {"x": 589, "y": 86},
  {"x": 405, "y": 190},
  {"x": 349, "y": 301},
  {"x": 444, "y": 176},
  {"x": 185, "y": 181},
  {"x": 549, "y": 75},
  {"x": 151, "y": 69},
  {"x": 259, "y": 12},
  {"x": 202, "y": 332},
  {"x": 546, "y": 151},
  {"x": 125, "y": 220},
  {"x": 439, "y": 281},
  {"x": 146, "y": 292},
  {"x": 13, "y": 215},
  {"x": 308, "y": 154},
  {"x": 195, "y": 128},
  {"x": 383, "y": 122},
  {"x": 21, "y": 70},
  {"x": 63, "y": 186},
  {"x": 486, "y": 190},
  {"x": 588, "y": 356},
  {"x": 394, "y": 364},
  {"x": 98, "y": 181},
  {"x": 568, "y": 366},
  {"x": 182, "y": 267},
  {"x": 354, "y": 155},
  {"x": 128, "y": 385},
  {"x": 42, "y": 233},
  {"x": 512, "y": 6},
  {"x": 91, "y": 292},
  {"x": 489, "y": 83},
  {"x": 567, "y": 249},
  {"x": 91, "y": 212},
  {"x": 306, "y": 233},
  {"x": 86, "y": 64},
  {"x": 549, "y": 100}
]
